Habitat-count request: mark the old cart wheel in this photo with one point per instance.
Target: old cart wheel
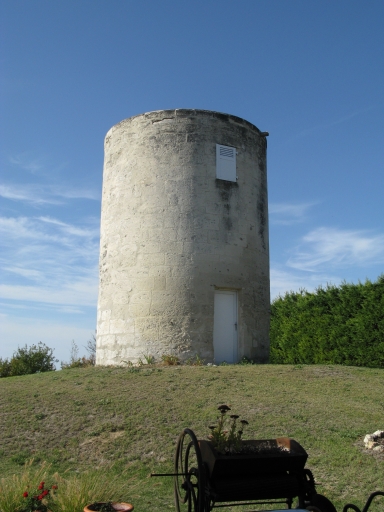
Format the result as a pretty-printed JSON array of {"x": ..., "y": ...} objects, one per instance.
[
  {"x": 320, "y": 503},
  {"x": 189, "y": 474}
]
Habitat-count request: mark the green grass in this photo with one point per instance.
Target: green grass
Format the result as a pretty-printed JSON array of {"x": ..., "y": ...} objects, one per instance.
[{"x": 127, "y": 421}]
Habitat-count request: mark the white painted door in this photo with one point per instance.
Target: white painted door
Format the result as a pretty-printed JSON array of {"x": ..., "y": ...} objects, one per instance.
[{"x": 225, "y": 327}]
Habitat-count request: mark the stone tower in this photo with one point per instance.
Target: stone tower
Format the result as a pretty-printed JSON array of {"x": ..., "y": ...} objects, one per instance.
[{"x": 184, "y": 259}]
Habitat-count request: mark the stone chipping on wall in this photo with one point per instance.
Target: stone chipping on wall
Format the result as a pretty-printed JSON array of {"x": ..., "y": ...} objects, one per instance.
[{"x": 171, "y": 234}]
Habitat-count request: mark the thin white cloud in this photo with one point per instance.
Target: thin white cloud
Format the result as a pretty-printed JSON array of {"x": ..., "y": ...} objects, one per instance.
[
  {"x": 45, "y": 194},
  {"x": 27, "y": 162},
  {"x": 40, "y": 231},
  {"x": 40, "y": 307},
  {"x": 74, "y": 193},
  {"x": 47, "y": 261},
  {"x": 288, "y": 213},
  {"x": 334, "y": 122},
  {"x": 289, "y": 280},
  {"x": 12, "y": 228},
  {"x": 71, "y": 229},
  {"x": 333, "y": 248},
  {"x": 82, "y": 292},
  {"x": 24, "y": 272},
  {"x": 25, "y": 194},
  {"x": 70, "y": 310}
]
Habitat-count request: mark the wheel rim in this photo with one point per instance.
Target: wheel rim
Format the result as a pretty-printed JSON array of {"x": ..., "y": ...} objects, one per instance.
[
  {"x": 320, "y": 503},
  {"x": 180, "y": 492},
  {"x": 189, "y": 478}
]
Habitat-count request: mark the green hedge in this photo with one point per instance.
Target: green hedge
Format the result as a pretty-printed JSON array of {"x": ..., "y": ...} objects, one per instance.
[
  {"x": 333, "y": 325},
  {"x": 26, "y": 360}
]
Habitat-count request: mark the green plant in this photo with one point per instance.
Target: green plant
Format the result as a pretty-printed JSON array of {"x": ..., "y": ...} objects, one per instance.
[
  {"x": 81, "y": 489},
  {"x": 80, "y": 362},
  {"x": 13, "y": 489},
  {"x": 5, "y": 367},
  {"x": 245, "y": 360},
  {"x": 38, "y": 500},
  {"x": 170, "y": 360},
  {"x": 91, "y": 349},
  {"x": 149, "y": 359},
  {"x": 332, "y": 325},
  {"x": 195, "y": 361},
  {"x": 28, "y": 360},
  {"x": 225, "y": 436}
]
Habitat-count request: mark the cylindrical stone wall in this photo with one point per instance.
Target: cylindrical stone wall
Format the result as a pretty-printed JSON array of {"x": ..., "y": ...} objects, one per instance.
[{"x": 172, "y": 234}]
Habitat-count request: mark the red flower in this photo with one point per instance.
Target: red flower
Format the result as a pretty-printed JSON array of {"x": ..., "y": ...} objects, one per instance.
[
  {"x": 40, "y": 496},
  {"x": 41, "y": 486},
  {"x": 25, "y": 494},
  {"x": 45, "y": 492},
  {"x": 54, "y": 486}
]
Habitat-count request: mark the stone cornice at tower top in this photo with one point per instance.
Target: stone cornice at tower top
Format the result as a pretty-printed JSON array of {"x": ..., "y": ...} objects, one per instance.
[{"x": 160, "y": 115}]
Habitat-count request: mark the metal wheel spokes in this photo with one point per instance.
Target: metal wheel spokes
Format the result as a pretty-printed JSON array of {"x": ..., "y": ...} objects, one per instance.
[
  {"x": 189, "y": 479},
  {"x": 191, "y": 469}
]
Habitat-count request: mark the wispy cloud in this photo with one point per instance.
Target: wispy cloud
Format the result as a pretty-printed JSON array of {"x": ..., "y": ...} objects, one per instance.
[
  {"x": 74, "y": 193},
  {"x": 335, "y": 248},
  {"x": 24, "y": 272},
  {"x": 31, "y": 194},
  {"x": 32, "y": 235},
  {"x": 45, "y": 194},
  {"x": 53, "y": 262},
  {"x": 28, "y": 162},
  {"x": 32, "y": 308},
  {"x": 289, "y": 280},
  {"x": 333, "y": 122},
  {"x": 289, "y": 213},
  {"x": 70, "y": 229},
  {"x": 82, "y": 292}
]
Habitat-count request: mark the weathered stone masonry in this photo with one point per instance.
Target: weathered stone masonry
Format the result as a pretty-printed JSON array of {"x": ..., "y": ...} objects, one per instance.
[{"x": 171, "y": 234}]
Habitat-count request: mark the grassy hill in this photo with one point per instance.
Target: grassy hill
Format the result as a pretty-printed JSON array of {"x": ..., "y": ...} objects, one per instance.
[{"x": 126, "y": 421}]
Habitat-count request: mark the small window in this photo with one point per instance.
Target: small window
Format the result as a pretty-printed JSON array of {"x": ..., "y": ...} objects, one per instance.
[{"x": 225, "y": 163}]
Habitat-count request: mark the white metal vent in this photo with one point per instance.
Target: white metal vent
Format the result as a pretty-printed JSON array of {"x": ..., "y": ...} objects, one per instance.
[
  {"x": 225, "y": 163},
  {"x": 226, "y": 151}
]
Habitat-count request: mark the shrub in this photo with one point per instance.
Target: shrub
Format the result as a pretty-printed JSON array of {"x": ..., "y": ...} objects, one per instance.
[
  {"x": 27, "y": 360},
  {"x": 195, "y": 361},
  {"x": 81, "y": 362},
  {"x": 333, "y": 325},
  {"x": 91, "y": 349},
  {"x": 170, "y": 360},
  {"x": 5, "y": 367},
  {"x": 245, "y": 360}
]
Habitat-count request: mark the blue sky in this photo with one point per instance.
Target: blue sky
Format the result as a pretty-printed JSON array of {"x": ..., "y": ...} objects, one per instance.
[{"x": 311, "y": 72}]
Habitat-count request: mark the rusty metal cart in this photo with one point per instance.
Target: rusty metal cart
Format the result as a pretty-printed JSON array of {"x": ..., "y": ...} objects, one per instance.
[{"x": 272, "y": 471}]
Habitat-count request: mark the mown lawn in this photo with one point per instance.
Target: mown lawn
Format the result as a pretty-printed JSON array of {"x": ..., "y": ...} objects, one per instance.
[{"x": 126, "y": 421}]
